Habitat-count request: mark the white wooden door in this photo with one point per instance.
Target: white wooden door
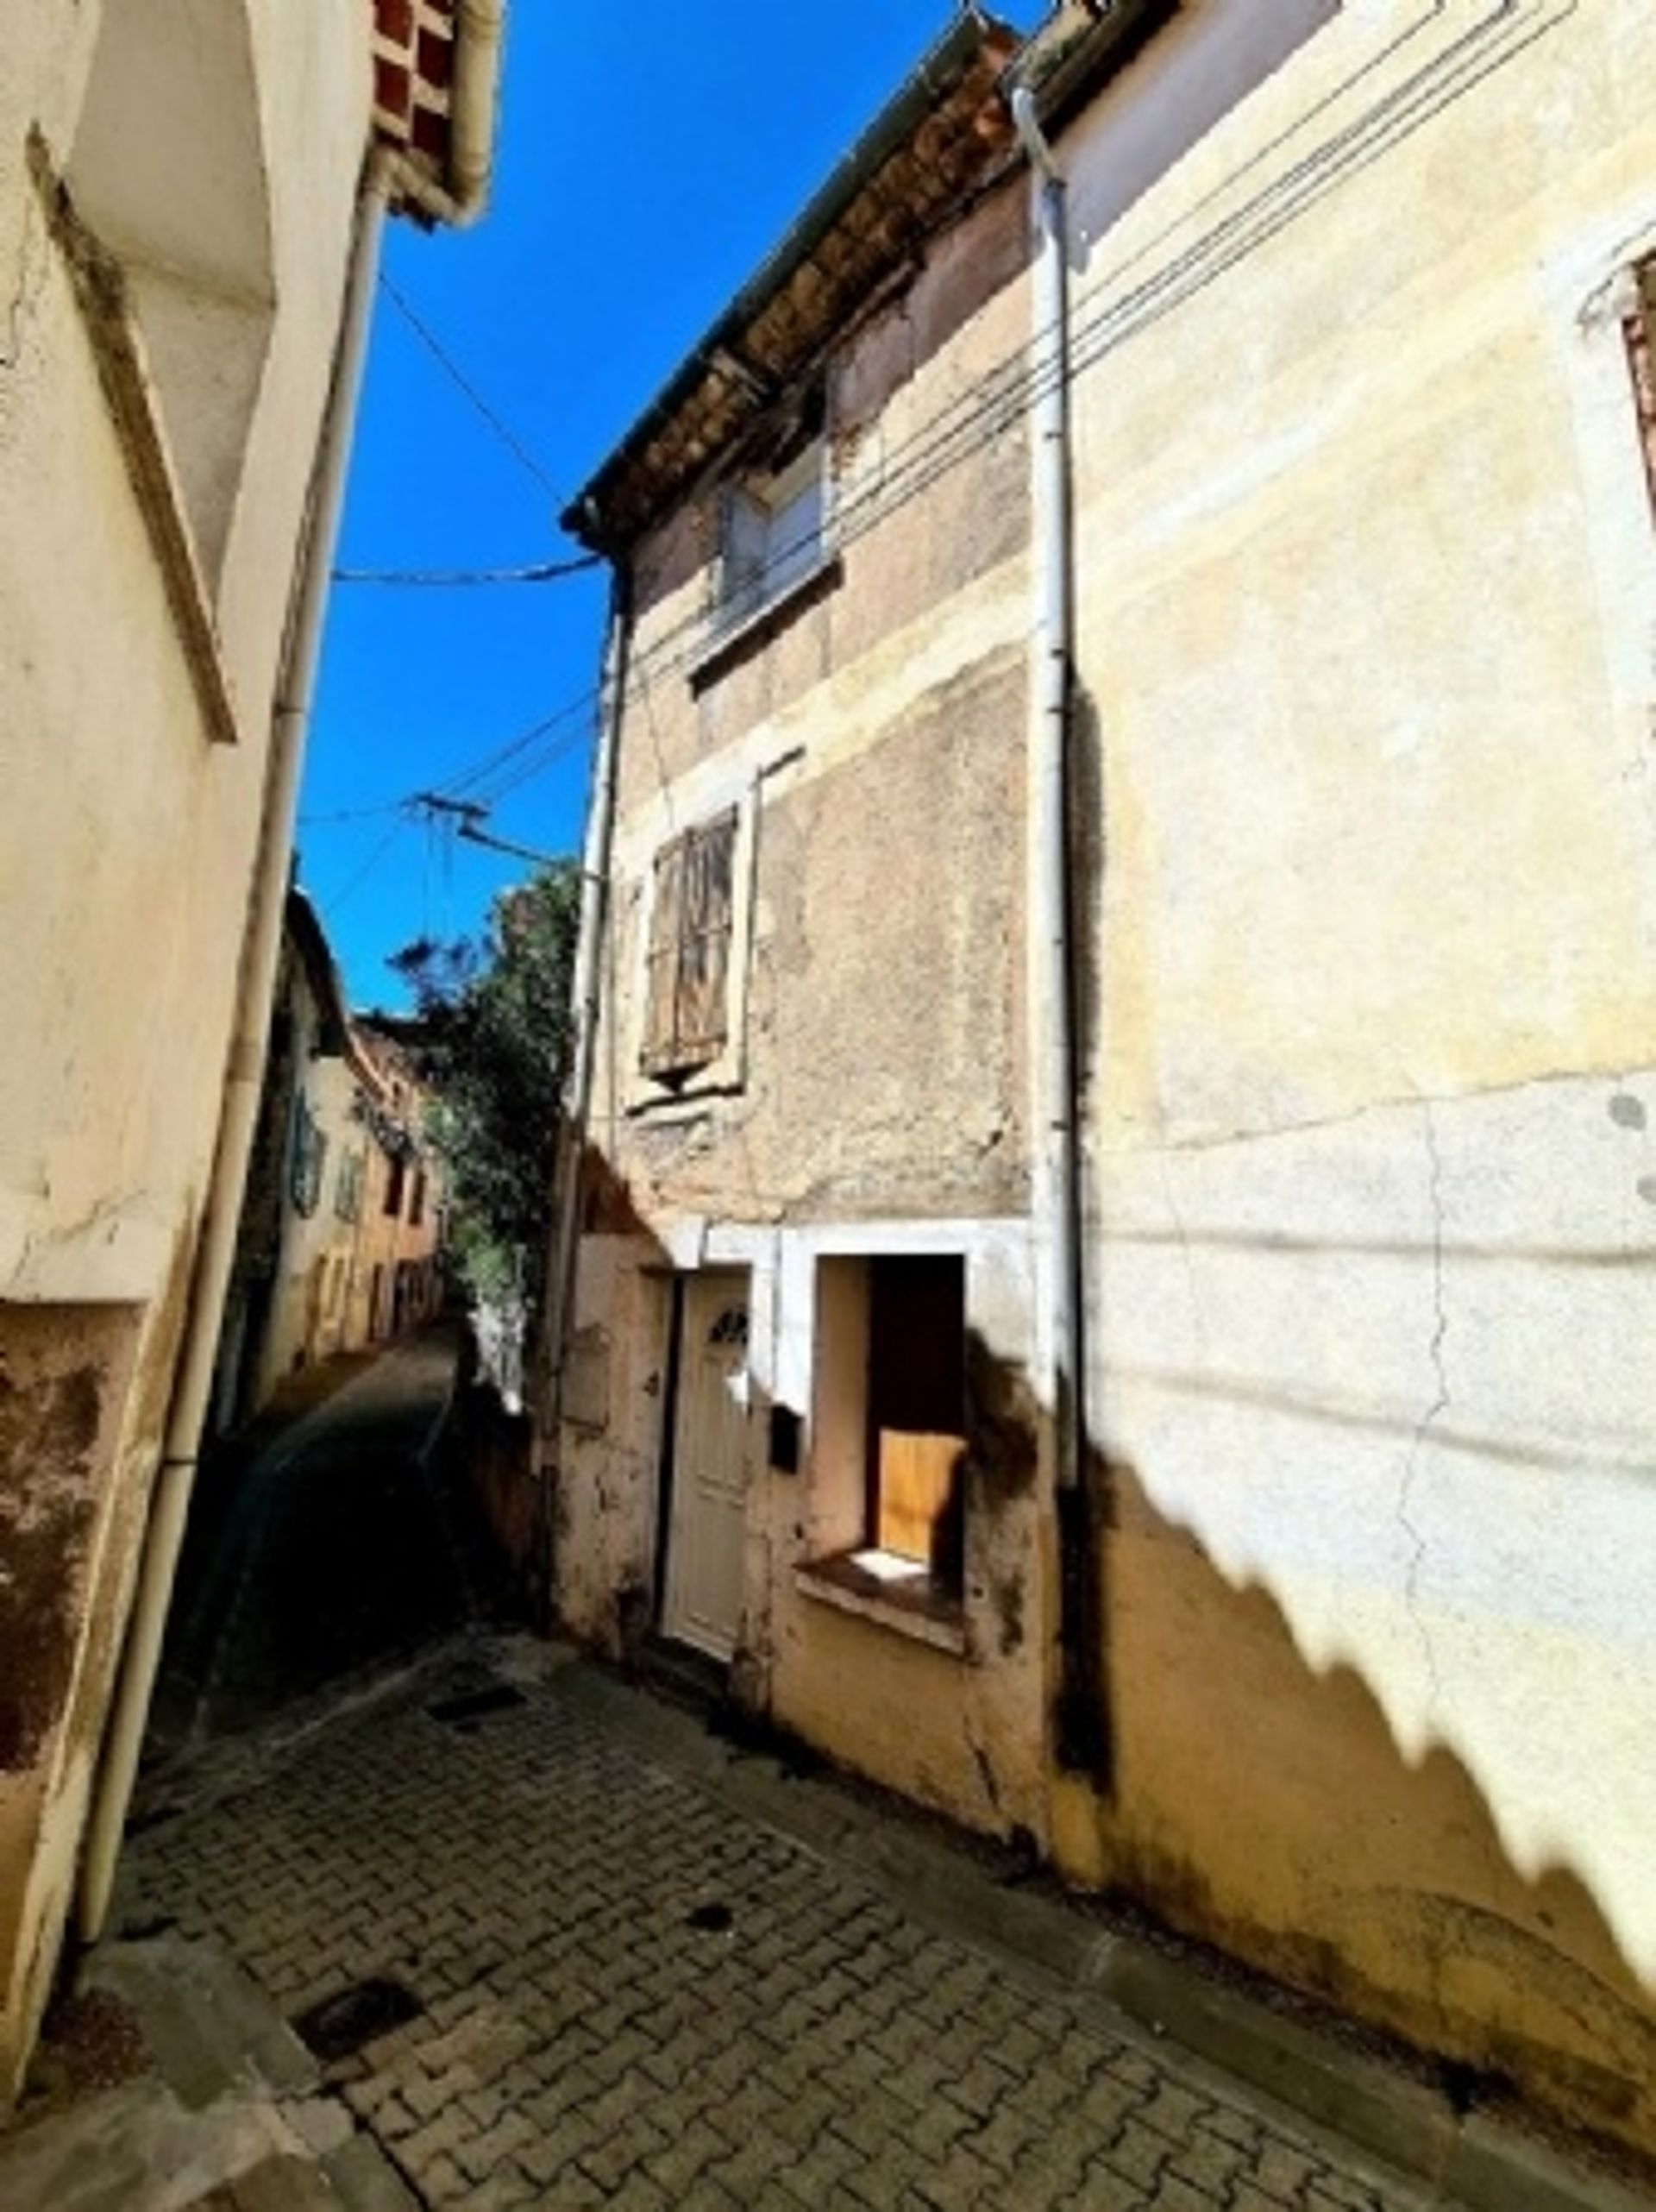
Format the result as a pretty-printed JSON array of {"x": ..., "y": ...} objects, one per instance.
[{"x": 706, "y": 1530}]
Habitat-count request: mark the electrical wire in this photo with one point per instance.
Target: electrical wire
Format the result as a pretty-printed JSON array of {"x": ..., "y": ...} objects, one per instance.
[
  {"x": 1012, "y": 386},
  {"x": 457, "y": 376},
  {"x": 356, "y": 882},
  {"x": 544, "y": 572},
  {"x": 1009, "y": 388}
]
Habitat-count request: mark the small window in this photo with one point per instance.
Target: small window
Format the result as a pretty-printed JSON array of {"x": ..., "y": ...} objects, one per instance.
[
  {"x": 887, "y": 1458},
  {"x": 917, "y": 1414},
  {"x": 773, "y": 533},
  {"x": 307, "y": 1157},
  {"x": 1640, "y": 330},
  {"x": 416, "y": 1201},
  {"x": 686, "y": 1019},
  {"x": 347, "y": 1187},
  {"x": 396, "y": 1175}
]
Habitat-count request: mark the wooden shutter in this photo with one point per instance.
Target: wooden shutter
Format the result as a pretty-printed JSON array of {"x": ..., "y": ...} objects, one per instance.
[
  {"x": 662, "y": 980},
  {"x": 689, "y": 959},
  {"x": 705, "y": 941},
  {"x": 917, "y": 1400}
]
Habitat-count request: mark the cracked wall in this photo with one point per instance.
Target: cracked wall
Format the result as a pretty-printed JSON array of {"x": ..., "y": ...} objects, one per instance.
[{"x": 1364, "y": 628}]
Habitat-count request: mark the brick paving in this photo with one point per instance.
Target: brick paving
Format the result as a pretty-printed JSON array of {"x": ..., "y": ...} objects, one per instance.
[{"x": 637, "y": 1996}]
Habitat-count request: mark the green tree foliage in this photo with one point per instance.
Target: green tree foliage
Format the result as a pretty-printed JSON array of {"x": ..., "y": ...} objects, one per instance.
[{"x": 491, "y": 1035}]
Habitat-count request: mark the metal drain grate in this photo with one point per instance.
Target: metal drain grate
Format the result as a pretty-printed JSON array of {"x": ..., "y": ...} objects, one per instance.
[
  {"x": 477, "y": 1705},
  {"x": 341, "y": 2024}
]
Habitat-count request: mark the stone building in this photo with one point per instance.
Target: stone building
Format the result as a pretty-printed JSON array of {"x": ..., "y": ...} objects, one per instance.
[
  {"x": 191, "y": 203},
  {"x": 395, "y": 1280},
  {"x": 1115, "y": 1232},
  {"x": 337, "y": 1247}
]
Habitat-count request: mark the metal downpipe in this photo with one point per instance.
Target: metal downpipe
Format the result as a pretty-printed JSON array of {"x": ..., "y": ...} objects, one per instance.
[{"x": 1081, "y": 1731}]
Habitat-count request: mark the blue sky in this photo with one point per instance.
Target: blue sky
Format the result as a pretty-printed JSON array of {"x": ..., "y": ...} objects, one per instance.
[{"x": 649, "y": 157}]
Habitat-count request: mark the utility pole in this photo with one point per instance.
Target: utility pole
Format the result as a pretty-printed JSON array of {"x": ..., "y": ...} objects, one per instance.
[{"x": 468, "y": 815}]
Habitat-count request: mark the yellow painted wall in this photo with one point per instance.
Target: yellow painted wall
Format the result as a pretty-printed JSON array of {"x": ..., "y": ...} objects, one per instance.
[
  {"x": 1366, "y": 574},
  {"x": 127, "y": 839},
  {"x": 1368, "y": 579}
]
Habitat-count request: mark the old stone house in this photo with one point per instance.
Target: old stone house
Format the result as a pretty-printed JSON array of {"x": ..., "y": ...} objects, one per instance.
[
  {"x": 341, "y": 1216},
  {"x": 1114, "y": 1240},
  {"x": 396, "y": 1280},
  {"x": 191, "y": 205}
]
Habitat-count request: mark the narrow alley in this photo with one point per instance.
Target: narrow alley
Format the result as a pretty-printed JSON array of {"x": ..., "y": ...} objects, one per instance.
[
  {"x": 828, "y": 1121},
  {"x": 557, "y": 1947},
  {"x": 318, "y": 1550},
  {"x": 419, "y": 1913}
]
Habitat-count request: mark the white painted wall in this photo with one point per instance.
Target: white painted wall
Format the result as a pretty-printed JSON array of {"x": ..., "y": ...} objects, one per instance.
[{"x": 126, "y": 838}]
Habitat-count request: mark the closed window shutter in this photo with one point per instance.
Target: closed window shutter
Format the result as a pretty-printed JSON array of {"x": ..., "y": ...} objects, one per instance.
[
  {"x": 661, "y": 981},
  {"x": 689, "y": 958},
  {"x": 705, "y": 941}
]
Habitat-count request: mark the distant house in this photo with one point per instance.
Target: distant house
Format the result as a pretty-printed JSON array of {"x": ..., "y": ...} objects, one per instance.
[
  {"x": 1114, "y": 1252},
  {"x": 338, "y": 1245},
  {"x": 191, "y": 204},
  {"x": 397, "y": 1282}
]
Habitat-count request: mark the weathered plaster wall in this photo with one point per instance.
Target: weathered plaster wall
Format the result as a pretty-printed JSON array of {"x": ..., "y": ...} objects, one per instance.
[
  {"x": 127, "y": 838},
  {"x": 318, "y": 1258},
  {"x": 1367, "y": 585},
  {"x": 1369, "y": 575},
  {"x": 873, "y": 738},
  {"x": 963, "y": 1732}
]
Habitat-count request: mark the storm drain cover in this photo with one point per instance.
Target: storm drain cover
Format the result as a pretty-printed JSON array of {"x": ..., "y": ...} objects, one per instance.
[
  {"x": 477, "y": 1705},
  {"x": 341, "y": 2024}
]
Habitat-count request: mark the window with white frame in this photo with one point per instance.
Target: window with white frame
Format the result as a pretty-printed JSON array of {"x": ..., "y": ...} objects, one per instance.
[
  {"x": 775, "y": 532},
  {"x": 890, "y": 1450}
]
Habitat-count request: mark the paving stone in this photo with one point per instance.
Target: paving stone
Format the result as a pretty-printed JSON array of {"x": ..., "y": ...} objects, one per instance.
[{"x": 824, "y": 2050}]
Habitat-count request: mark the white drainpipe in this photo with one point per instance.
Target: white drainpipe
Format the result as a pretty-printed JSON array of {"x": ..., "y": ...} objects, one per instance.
[
  {"x": 244, "y": 1077},
  {"x": 1057, "y": 1193},
  {"x": 1050, "y": 735}
]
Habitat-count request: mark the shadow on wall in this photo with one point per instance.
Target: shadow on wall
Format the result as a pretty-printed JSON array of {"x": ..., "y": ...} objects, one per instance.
[
  {"x": 1265, "y": 1801},
  {"x": 1267, "y": 1805}
]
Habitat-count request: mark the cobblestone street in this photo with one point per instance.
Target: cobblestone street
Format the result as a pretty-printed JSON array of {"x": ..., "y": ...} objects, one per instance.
[{"x": 636, "y": 1993}]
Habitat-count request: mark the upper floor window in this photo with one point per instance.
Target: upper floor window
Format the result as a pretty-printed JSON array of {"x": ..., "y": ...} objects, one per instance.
[
  {"x": 347, "y": 1187},
  {"x": 307, "y": 1156},
  {"x": 775, "y": 532},
  {"x": 687, "y": 1020}
]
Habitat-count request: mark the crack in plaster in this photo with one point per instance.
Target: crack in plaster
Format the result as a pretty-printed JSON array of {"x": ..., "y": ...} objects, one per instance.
[
  {"x": 1386, "y": 1102},
  {"x": 1198, "y": 1305},
  {"x": 1433, "y": 1413},
  {"x": 31, "y": 280}
]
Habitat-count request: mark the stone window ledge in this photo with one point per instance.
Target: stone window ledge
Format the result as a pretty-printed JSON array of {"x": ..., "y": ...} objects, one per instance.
[
  {"x": 871, "y": 1585},
  {"x": 731, "y": 639}
]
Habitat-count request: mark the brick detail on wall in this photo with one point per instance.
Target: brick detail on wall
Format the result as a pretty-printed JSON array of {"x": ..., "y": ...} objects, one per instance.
[{"x": 414, "y": 68}]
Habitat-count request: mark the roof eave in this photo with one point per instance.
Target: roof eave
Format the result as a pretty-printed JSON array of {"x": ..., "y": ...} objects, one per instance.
[{"x": 940, "y": 70}]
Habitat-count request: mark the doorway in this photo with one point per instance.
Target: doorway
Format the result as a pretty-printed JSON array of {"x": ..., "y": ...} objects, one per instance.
[{"x": 701, "y": 1603}]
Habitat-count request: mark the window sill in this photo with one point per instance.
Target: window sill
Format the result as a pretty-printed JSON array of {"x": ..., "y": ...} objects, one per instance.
[
  {"x": 731, "y": 638},
  {"x": 102, "y": 296},
  {"x": 910, "y": 1604},
  {"x": 682, "y": 1102}
]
